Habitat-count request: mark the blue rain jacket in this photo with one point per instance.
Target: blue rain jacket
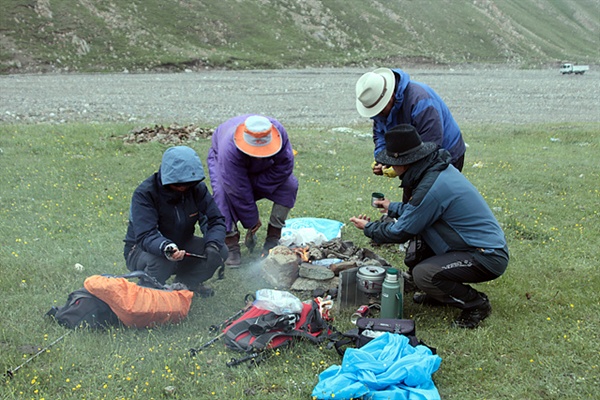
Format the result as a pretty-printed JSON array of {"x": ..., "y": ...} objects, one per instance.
[
  {"x": 387, "y": 367},
  {"x": 419, "y": 105}
]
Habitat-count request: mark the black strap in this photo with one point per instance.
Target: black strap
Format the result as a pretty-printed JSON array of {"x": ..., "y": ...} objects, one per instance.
[
  {"x": 348, "y": 338},
  {"x": 149, "y": 281},
  {"x": 221, "y": 271}
]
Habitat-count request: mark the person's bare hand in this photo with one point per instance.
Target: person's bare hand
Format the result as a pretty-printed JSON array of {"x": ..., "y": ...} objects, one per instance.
[
  {"x": 173, "y": 253},
  {"x": 382, "y": 205},
  {"x": 361, "y": 221},
  {"x": 178, "y": 255},
  {"x": 378, "y": 169}
]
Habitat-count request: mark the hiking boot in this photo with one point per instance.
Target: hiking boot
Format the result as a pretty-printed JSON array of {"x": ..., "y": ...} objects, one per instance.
[
  {"x": 409, "y": 283},
  {"x": 425, "y": 299},
  {"x": 272, "y": 240},
  {"x": 470, "y": 318},
  {"x": 204, "y": 291},
  {"x": 234, "y": 260}
]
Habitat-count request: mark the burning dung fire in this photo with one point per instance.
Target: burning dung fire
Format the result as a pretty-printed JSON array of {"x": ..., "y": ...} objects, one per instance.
[{"x": 303, "y": 253}]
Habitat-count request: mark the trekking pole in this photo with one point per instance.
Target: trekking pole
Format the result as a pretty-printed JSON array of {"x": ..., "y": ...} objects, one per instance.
[
  {"x": 253, "y": 359},
  {"x": 10, "y": 373},
  {"x": 193, "y": 352},
  {"x": 248, "y": 299},
  {"x": 237, "y": 361}
]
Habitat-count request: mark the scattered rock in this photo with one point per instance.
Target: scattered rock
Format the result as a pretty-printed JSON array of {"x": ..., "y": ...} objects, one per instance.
[
  {"x": 316, "y": 272},
  {"x": 344, "y": 265},
  {"x": 170, "y": 390},
  {"x": 172, "y": 134},
  {"x": 308, "y": 285},
  {"x": 280, "y": 268}
]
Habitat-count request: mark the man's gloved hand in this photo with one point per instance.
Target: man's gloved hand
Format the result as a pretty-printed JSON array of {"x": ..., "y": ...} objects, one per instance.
[
  {"x": 213, "y": 255},
  {"x": 384, "y": 170},
  {"x": 170, "y": 250},
  {"x": 389, "y": 172}
]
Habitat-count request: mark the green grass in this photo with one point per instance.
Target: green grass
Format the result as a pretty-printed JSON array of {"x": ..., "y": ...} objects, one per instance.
[
  {"x": 256, "y": 34},
  {"x": 65, "y": 197}
]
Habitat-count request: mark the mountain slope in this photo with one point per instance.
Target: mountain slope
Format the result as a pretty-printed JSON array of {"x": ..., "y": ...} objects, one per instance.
[{"x": 87, "y": 35}]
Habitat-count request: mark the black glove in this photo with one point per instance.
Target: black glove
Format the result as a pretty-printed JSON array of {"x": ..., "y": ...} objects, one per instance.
[{"x": 213, "y": 255}]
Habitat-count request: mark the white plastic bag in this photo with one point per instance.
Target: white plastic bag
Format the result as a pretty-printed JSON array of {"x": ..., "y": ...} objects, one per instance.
[
  {"x": 278, "y": 301},
  {"x": 301, "y": 237}
]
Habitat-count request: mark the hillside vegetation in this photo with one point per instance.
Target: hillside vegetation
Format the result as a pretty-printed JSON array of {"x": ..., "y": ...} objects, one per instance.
[{"x": 142, "y": 35}]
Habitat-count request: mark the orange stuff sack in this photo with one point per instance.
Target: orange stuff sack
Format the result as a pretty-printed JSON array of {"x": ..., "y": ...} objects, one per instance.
[{"x": 138, "y": 306}]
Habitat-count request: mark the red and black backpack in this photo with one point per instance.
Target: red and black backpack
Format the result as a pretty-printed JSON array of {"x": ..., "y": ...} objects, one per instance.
[{"x": 258, "y": 329}]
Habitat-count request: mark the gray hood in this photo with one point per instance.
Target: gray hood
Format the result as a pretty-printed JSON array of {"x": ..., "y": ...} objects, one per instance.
[{"x": 181, "y": 164}]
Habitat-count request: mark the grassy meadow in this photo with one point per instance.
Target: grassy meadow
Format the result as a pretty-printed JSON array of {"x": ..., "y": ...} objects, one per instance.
[
  {"x": 86, "y": 36},
  {"x": 64, "y": 199}
]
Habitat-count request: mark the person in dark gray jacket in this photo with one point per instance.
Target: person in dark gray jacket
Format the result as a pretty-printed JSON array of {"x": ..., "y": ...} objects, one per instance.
[
  {"x": 165, "y": 209},
  {"x": 464, "y": 242}
]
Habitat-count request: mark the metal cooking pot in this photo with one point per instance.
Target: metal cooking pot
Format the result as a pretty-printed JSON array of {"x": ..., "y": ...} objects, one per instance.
[{"x": 370, "y": 278}]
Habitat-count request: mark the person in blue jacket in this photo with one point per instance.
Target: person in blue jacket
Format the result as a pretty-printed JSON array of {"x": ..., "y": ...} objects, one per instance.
[
  {"x": 464, "y": 240},
  {"x": 164, "y": 212},
  {"x": 389, "y": 97}
]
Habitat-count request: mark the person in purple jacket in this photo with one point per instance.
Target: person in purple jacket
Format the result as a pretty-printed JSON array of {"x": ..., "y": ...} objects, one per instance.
[
  {"x": 389, "y": 97},
  {"x": 251, "y": 158}
]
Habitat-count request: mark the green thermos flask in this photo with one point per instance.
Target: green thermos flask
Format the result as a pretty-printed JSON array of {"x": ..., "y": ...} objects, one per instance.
[{"x": 391, "y": 295}]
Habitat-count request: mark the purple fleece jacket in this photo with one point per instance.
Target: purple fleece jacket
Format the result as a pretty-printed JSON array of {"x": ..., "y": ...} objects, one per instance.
[{"x": 239, "y": 180}]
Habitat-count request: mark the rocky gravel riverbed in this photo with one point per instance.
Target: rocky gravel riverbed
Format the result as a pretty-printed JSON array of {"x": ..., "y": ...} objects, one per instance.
[{"x": 306, "y": 97}]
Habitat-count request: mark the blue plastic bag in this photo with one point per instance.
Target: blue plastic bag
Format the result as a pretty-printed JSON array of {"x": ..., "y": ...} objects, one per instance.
[
  {"x": 300, "y": 231},
  {"x": 387, "y": 367}
]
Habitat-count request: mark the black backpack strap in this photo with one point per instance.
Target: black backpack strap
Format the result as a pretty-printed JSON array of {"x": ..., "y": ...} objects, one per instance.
[
  {"x": 144, "y": 279},
  {"x": 71, "y": 299},
  {"x": 237, "y": 329},
  {"x": 314, "y": 320},
  {"x": 262, "y": 341},
  {"x": 348, "y": 338}
]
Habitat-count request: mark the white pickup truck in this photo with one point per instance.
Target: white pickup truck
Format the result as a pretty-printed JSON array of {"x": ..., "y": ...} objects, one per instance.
[{"x": 569, "y": 68}]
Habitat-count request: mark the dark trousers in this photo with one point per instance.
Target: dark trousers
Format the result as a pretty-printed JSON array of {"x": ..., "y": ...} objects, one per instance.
[
  {"x": 445, "y": 277},
  {"x": 190, "y": 271}
]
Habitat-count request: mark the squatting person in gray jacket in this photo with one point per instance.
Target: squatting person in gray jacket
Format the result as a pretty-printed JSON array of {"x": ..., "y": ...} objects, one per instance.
[
  {"x": 464, "y": 242},
  {"x": 165, "y": 209}
]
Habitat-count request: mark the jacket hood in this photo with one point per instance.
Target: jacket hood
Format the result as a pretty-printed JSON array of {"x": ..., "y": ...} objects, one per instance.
[
  {"x": 436, "y": 161},
  {"x": 181, "y": 164},
  {"x": 404, "y": 81}
]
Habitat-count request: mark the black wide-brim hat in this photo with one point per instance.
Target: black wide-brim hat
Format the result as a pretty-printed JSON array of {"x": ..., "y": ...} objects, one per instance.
[{"x": 403, "y": 146}]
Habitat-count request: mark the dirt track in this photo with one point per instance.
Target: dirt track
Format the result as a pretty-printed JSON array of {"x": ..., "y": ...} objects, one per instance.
[{"x": 322, "y": 97}]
